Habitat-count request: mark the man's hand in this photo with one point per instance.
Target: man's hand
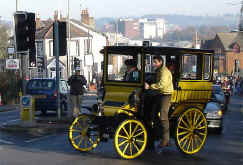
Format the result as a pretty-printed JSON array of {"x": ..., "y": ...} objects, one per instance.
[{"x": 146, "y": 86}]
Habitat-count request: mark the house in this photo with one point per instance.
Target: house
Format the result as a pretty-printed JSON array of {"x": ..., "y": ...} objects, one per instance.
[
  {"x": 228, "y": 51},
  {"x": 84, "y": 44}
]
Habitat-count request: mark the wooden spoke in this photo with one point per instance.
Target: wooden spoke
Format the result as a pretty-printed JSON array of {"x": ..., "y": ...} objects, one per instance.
[
  {"x": 185, "y": 142},
  {"x": 130, "y": 146},
  {"x": 86, "y": 142},
  {"x": 196, "y": 119},
  {"x": 125, "y": 149},
  {"x": 79, "y": 136},
  {"x": 183, "y": 133},
  {"x": 75, "y": 130},
  {"x": 135, "y": 145},
  {"x": 125, "y": 141},
  {"x": 182, "y": 120},
  {"x": 80, "y": 142},
  {"x": 199, "y": 123},
  {"x": 201, "y": 133},
  {"x": 185, "y": 137},
  {"x": 192, "y": 144},
  {"x": 130, "y": 129},
  {"x": 135, "y": 129},
  {"x": 203, "y": 127},
  {"x": 124, "y": 137},
  {"x": 188, "y": 117},
  {"x": 139, "y": 134},
  {"x": 140, "y": 141},
  {"x": 189, "y": 143},
  {"x": 185, "y": 128},
  {"x": 198, "y": 138},
  {"x": 125, "y": 132}
]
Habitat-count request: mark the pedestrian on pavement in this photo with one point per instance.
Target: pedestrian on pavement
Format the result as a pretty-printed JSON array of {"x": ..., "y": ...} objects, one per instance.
[
  {"x": 164, "y": 88},
  {"x": 77, "y": 83}
]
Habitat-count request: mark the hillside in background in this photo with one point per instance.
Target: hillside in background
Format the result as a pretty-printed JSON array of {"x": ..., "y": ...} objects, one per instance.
[{"x": 228, "y": 20}]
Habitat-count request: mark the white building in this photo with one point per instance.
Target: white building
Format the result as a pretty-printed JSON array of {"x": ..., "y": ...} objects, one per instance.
[{"x": 152, "y": 28}]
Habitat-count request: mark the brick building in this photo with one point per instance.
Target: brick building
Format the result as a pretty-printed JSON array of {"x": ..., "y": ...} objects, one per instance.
[
  {"x": 129, "y": 28},
  {"x": 228, "y": 47}
]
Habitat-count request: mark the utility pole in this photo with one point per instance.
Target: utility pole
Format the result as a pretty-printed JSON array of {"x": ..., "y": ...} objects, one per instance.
[
  {"x": 16, "y": 5},
  {"x": 56, "y": 47},
  {"x": 69, "y": 41}
]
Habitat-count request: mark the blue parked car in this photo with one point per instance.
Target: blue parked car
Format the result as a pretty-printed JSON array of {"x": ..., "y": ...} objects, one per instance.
[{"x": 45, "y": 93}]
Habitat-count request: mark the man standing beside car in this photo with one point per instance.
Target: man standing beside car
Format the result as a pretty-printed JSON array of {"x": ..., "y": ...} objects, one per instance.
[
  {"x": 76, "y": 83},
  {"x": 163, "y": 89}
]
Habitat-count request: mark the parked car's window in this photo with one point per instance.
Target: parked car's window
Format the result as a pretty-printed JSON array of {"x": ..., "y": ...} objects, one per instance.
[{"x": 41, "y": 84}]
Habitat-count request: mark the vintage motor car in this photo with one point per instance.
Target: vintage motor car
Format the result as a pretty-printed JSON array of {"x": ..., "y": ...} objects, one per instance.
[{"x": 122, "y": 113}]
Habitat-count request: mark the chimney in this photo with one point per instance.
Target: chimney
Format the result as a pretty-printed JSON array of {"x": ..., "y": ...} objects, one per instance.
[
  {"x": 85, "y": 17},
  {"x": 55, "y": 15},
  {"x": 38, "y": 26},
  {"x": 92, "y": 22}
]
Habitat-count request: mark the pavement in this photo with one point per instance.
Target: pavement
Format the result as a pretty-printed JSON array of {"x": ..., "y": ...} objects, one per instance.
[{"x": 44, "y": 124}]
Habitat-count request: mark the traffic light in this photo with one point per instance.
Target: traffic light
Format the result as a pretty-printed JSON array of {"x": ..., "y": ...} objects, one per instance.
[
  {"x": 62, "y": 35},
  {"x": 25, "y": 31},
  {"x": 32, "y": 58}
]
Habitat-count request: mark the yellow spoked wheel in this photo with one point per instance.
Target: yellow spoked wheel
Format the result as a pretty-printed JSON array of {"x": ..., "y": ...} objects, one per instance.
[
  {"x": 191, "y": 131},
  {"x": 82, "y": 134},
  {"x": 130, "y": 139}
]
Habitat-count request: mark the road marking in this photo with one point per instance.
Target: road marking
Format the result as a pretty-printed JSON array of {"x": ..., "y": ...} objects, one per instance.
[
  {"x": 10, "y": 121},
  {"x": 5, "y": 141},
  {"x": 38, "y": 139}
]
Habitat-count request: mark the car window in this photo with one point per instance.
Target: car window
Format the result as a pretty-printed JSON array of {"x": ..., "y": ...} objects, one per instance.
[{"x": 41, "y": 84}]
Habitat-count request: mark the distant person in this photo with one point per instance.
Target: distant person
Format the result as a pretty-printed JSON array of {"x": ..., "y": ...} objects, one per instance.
[{"x": 76, "y": 83}]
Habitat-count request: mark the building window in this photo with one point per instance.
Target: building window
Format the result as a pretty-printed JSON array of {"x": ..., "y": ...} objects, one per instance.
[
  {"x": 87, "y": 46},
  {"x": 50, "y": 48}
]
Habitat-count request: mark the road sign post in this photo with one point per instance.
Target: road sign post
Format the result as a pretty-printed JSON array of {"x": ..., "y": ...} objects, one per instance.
[{"x": 56, "y": 53}]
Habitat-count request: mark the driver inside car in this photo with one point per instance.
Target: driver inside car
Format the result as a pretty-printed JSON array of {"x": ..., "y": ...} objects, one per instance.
[{"x": 132, "y": 73}]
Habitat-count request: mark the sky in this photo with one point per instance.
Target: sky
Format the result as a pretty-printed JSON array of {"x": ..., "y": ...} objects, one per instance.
[{"x": 120, "y": 8}]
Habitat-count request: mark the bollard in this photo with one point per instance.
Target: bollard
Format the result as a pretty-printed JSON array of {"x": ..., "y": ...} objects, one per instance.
[{"x": 27, "y": 113}]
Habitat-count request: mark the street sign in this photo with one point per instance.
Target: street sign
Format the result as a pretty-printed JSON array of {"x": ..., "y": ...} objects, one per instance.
[
  {"x": 26, "y": 101},
  {"x": 12, "y": 63}
]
